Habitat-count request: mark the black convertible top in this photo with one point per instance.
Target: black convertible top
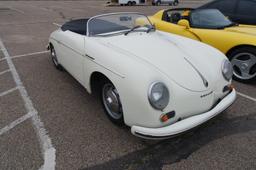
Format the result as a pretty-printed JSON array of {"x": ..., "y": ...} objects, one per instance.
[{"x": 78, "y": 26}]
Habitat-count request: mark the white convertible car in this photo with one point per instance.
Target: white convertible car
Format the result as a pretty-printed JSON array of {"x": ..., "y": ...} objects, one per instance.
[{"x": 157, "y": 83}]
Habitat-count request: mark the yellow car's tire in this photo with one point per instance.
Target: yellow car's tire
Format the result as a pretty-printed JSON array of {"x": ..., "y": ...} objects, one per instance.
[{"x": 244, "y": 64}]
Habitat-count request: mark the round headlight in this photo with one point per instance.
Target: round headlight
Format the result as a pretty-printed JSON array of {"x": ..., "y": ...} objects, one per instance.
[
  {"x": 227, "y": 70},
  {"x": 158, "y": 95}
]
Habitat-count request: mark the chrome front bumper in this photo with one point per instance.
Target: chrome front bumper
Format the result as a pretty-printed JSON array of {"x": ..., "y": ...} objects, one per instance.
[{"x": 186, "y": 124}]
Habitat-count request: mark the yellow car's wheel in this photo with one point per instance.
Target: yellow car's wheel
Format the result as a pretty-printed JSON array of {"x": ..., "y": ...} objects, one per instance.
[{"x": 244, "y": 64}]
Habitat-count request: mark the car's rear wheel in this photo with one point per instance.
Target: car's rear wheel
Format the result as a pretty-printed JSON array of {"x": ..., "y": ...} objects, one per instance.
[
  {"x": 175, "y": 3},
  {"x": 244, "y": 64},
  {"x": 111, "y": 103},
  {"x": 133, "y": 3},
  {"x": 129, "y": 3},
  {"x": 54, "y": 58}
]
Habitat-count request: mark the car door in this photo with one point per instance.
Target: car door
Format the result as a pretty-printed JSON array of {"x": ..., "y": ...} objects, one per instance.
[
  {"x": 164, "y": 1},
  {"x": 73, "y": 54},
  {"x": 246, "y": 12},
  {"x": 173, "y": 28},
  {"x": 213, "y": 37}
]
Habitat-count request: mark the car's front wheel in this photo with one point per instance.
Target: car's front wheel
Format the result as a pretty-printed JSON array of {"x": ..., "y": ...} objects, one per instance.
[
  {"x": 243, "y": 61},
  {"x": 111, "y": 103}
]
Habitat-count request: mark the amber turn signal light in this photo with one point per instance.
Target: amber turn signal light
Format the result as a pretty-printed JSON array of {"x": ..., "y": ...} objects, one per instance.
[{"x": 167, "y": 116}]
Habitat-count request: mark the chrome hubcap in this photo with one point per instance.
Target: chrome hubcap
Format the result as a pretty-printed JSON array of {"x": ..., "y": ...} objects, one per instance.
[
  {"x": 111, "y": 101},
  {"x": 244, "y": 65}
]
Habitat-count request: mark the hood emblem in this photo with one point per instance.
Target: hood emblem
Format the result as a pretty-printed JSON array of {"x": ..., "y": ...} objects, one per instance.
[{"x": 205, "y": 82}]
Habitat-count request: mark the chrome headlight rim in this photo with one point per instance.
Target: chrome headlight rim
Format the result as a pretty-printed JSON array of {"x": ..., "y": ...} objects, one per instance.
[
  {"x": 166, "y": 100},
  {"x": 227, "y": 70}
]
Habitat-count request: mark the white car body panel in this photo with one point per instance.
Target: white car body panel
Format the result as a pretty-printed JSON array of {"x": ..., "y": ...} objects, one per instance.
[
  {"x": 126, "y": 1},
  {"x": 186, "y": 124},
  {"x": 133, "y": 62}
]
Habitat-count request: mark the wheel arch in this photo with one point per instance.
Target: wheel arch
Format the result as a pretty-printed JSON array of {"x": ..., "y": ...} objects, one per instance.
[
  {"x": 95, "y": 80},
  {"x": 238, "y": 47}
]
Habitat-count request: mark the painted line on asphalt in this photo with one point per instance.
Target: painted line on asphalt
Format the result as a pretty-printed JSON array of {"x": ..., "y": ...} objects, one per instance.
[
  {"x": 15, "y": 123},
  {"x": 246, "y": 96},
  {"x": 48, "y": 151},
  {"x": 5, "y": 71},
  {"x": 56, "y": 24},
  {"x": 8, "y": 91},
  {"x": 2, "y": 59},
  {"x": 17, "y": 10},
  {"x": 29, "y": 54}
]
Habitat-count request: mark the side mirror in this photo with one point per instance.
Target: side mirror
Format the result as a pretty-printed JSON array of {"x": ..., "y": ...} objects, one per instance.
[{"x": 184, "y": 23}]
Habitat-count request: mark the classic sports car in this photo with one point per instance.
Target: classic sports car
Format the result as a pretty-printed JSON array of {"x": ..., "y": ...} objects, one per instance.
[
  {"x": 210, "y": 26},
  {"x": 157, "y": 83}
]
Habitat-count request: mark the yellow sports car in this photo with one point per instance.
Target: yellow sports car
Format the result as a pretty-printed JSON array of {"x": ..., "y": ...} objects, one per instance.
[{"x": 210, "y": 26}]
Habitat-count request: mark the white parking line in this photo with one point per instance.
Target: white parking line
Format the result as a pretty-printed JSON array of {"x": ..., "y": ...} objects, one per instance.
[
  {"x": 2, "y": 59},
  {"x": 5, "y": 71},
  {"x": 17, "y": 10},
  {"x": 45, "y": 141},
  {"x": 8, "y": 91},
  {"x": 29, "y": 54},
  {"x": 246, "y": 96},
  {"x": 15, "y": 123}
]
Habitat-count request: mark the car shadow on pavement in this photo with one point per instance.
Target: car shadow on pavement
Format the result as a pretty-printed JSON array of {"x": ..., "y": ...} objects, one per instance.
[{"x": 170, "y": 151}]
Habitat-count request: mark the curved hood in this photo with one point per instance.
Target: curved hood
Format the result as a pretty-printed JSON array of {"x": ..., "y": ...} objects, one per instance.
[
  {"x": 185, "y": 65},
  {"x": 243, "y": 30}
]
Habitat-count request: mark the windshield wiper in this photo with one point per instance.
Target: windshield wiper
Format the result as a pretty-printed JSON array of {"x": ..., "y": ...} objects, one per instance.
[{"x": 132, "y": 29}]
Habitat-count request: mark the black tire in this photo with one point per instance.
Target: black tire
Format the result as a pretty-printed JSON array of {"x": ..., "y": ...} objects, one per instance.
[
  {"x": 117, "y": 119},
  {"x": 133, "y": 3},
  {"x": 243, "y": 59},
  {"x": 175, "y": 3},
  {"x": 153, "y": 3},
  {"x": 129, "y": 3},
  {"x": 55, "y": 59},
  {"x": 158, "y": 3}
]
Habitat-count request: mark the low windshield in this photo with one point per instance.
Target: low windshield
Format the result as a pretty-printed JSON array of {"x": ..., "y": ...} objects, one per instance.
[
  {"x": 117, "y": 23},
  {"x": 209, "y": 18}
]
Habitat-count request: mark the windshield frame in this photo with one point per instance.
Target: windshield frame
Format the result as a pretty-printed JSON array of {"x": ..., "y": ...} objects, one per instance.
[
  {"x": 207, "y": 27},
  {"x": 114, "y": 32}
]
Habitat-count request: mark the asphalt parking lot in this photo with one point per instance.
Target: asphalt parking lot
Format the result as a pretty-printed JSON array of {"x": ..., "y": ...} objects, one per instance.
[{"x": 49, "y": 121}]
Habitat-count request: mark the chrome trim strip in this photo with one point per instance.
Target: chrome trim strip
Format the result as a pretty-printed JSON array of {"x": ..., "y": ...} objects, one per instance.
[{"x": 206, "y": 84}]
